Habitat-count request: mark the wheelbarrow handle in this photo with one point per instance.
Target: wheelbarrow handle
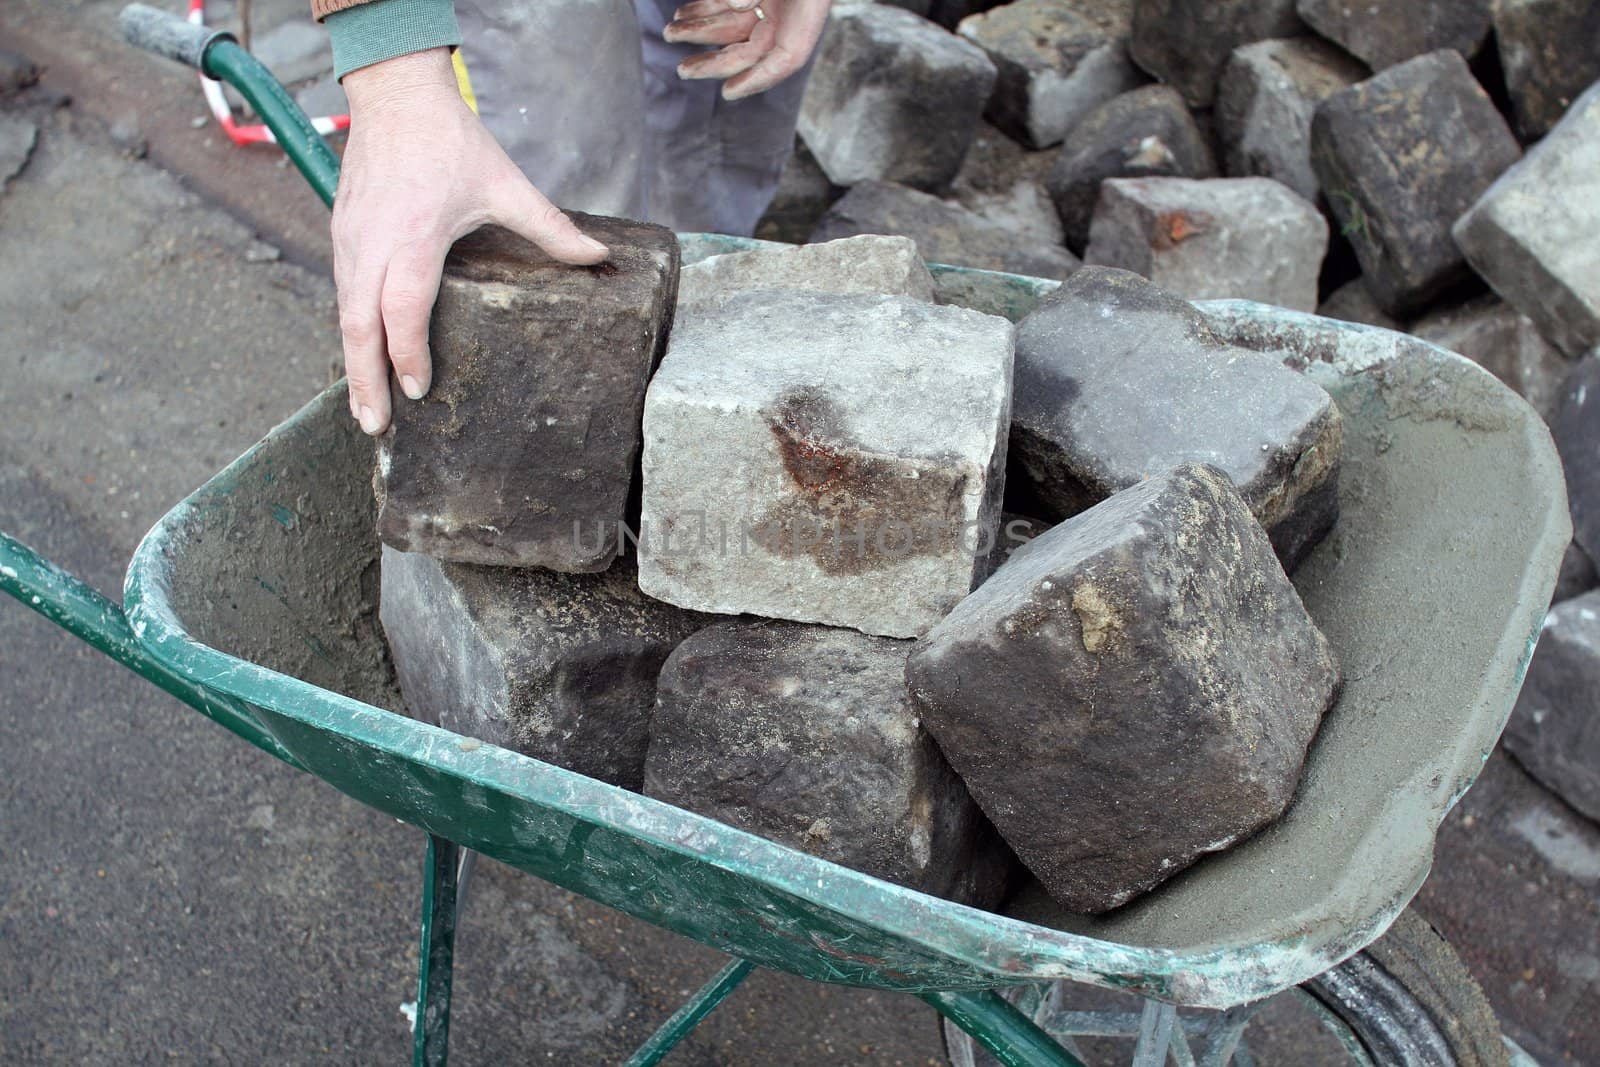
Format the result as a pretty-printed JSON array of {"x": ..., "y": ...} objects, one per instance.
[
  {"x": 169, "y": 35},
  {"x": 216, "y": 54},
  {"x": 83, "y": 612}
]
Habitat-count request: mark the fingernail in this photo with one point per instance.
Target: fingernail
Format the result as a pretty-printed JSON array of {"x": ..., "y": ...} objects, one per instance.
[
  {"x": 742, "y": 5},
  {"x": 595, "y": 246},
  {"x": 410, "y": 387},
  {"x": 369, "y": 421}
]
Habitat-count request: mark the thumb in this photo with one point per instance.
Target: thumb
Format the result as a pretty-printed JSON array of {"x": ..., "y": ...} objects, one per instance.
[{"x": 526, "y": 211}]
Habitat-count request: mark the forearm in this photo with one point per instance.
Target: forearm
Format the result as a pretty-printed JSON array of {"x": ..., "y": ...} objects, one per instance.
[{"x": 364, "y": 32}]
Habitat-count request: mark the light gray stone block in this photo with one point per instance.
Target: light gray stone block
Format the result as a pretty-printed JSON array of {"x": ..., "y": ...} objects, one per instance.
[
  {"x": 851, "y": 265},
  {"x": 1268, "y": 93},
  {"x": 806, "y": 735},
  {"x": 1057, "y": 61},
  {"x": 1134, "y": 689},
  {"x": 1555, "y": 730},
  {"x": 1493, "y": 335},
  {"x": 560, "y": 667},
  {"x": 1251, "y": 238},
  {"x": 825, "y": 459},
  {"x": 1382, "y": 33},
  {"x": 893, "y": 97},
  {"x": 18, "y": 135},
  {"x": 1118, "y": 380},
  {"x": 1531, "y": 233}
]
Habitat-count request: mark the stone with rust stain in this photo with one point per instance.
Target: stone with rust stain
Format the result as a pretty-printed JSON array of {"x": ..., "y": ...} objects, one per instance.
[
  {"x": 1550, "y": 52},
  {"x": 1134, "y": 689},
  {"x": 871, "y": 263},
  {"x": 1400, "y": 156},
  {"x": 1268, "y": 93},
  {"x": 1057, "y": 60},
  {"x": 945, "y": 232},
  {"x": 531, "y": 428},
  {"x": 823, "y": 458},
  {"x": 1251, "y": 238},
  {"x": 1530, "y": 235},
  {"x": 1145, "y": 133},
  {"x": 560, "y": 667},
  {"x": 1118, "y": 380},
  {"x": 1186, "y": 43},
  {"x": 892, "y": 97},
  {"x": 1382, "y": 33},
  {"x": 806, "y": 736}
]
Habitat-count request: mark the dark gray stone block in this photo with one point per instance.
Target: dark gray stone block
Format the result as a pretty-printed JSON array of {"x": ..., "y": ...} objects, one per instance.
[
  {"x": 944, "y": 232},
  {"x": 1118, "y": 380},
  {"x": 1555, "y": 730},
  {"x": 1146, "y": 133},
  {"x": 1550, "y": 53},
  {"x": 806, "y": 735},
  {"x": 1186, "y": 43},
  {"x": 531, "y": 428},
  {"x": 1003, "y": 182},
  {"x": 1268, "y": 93},
  {"x": 1057, "y": 59},
  {"x": 804, "y": 193},
  {"x": 1382, "y": 33},
  {"x": 1400, "y": 156},
  {"x": 1352, "y": 302},
  {"x": 560, "y": 667},
  {"x": 1134, "y": 689},
  {"x": 893, "y": 97},
  {"x": 1530, "y": 234},
  {"x": 1492, "y": 334},
  {"x": 1578, "y": 575},
  {"x": 1576, "y": 430}
]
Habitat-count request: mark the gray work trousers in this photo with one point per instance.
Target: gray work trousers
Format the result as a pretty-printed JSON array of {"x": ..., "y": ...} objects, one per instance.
[{"x": 584, "y": 96}]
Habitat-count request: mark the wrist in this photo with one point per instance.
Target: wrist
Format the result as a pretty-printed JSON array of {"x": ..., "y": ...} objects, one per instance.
[{"x": 401, "y": 80}]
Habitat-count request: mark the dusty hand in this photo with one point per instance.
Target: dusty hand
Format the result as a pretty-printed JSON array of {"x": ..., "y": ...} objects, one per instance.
[
  {"x": 419, "y": 172},
  {"x": 757, "y": 53}
]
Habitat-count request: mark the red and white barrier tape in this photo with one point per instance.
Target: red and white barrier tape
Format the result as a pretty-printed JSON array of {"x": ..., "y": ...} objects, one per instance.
[{"x": 254, "y": 133}]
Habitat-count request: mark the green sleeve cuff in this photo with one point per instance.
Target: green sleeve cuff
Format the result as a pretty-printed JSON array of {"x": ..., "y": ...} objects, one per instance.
[{"x": 382, "y": 29}]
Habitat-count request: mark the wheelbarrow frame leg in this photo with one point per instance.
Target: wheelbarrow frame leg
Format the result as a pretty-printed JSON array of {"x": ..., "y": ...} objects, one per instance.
[
  {"x": 436, "y": 966},
  {"x": 1010, "y": 1036},
  {"x": 690, "y": 1015}
]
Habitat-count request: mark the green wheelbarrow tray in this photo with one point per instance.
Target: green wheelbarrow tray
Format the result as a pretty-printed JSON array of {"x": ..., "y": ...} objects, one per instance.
[{"x": 261, "y": 588}]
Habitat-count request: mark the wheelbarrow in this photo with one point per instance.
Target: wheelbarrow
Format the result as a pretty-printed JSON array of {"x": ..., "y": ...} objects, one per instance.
[{"x": 252, "y": 601}]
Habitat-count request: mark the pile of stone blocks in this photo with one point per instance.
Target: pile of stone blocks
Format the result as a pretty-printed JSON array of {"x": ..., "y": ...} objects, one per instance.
[
  {"x": 1427, "y": 166},
  {"x": 821, "y": 627}
]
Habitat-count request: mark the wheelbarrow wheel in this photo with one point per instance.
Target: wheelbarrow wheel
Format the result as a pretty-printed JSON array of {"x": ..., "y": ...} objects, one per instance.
[{"x": 1407, "y": 1000}]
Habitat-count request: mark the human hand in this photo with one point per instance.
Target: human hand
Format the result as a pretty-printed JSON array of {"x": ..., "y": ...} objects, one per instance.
[
  {"x": 419, "y": 172},
  {"x": 757, "y": 53}
]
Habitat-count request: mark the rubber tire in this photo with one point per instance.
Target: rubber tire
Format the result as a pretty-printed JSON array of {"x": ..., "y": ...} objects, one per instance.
[
  {"x": 1413, "y": 973},
  {"x": 1407, "y": 996}
]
